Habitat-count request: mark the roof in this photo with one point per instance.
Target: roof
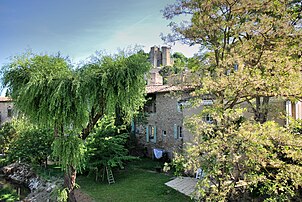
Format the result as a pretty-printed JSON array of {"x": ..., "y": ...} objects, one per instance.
[
  {"x": 165, "y": 88},
  {"x": 6, "y": 99}
]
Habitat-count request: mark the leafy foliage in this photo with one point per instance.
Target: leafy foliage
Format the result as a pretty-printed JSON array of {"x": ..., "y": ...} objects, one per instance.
[
  {"x": 239, "y": 157},
  {"x": 8, "y": 194},
  {"x": 69, "y": 151},
  {"x": 32, "y": 144},
  {"x": 7, "y": 133},
  {"x": 53, "y": 93},
  {"x": 50, "y": 91},
  {"x": 251, "y": 49},
  {"x": 106, "y": 146},
  {"x": 180, "y": 62},
  {"x": 251, "y": 53}
]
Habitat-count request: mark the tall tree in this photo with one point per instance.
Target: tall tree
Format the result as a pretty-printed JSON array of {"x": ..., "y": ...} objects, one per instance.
[
  {"x": 251, "y": 49},
  {"x": 251, "y": 53},
  {"x": 51, "y": 92}
]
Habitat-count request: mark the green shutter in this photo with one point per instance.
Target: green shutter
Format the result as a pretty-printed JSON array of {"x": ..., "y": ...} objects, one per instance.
[
  {"x": 175, "y": 131},
  {"x": 132, "y": 126},
  {"x": 147, "y": 133},
  {"x": 154, "y": 139}
]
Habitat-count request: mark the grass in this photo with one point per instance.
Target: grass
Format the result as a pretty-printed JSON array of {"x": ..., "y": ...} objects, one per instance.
[
  {"x": 8, "y": 194},
  {"x": 138, "y": 182}
]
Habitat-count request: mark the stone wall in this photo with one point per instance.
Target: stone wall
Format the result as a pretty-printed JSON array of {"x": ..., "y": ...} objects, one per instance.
[
  {"x": 166, "y": 119},
  {"x": 168, "y": 115}
]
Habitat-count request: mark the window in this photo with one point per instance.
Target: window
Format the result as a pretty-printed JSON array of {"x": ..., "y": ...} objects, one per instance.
[
  {"x": 150, "y": 133},
  {"x": 182, "y": 104},
  {"x": 207, "y": 102},
  {"x": 150, "y": 106},
  {"x": 178, "y": 134},
  {"x": 179, "y": 131},
  {"x": 9, "y": 111},
  {"x": 207, "y": 118},
  {"x": 179, "y": 106},
  {"x": 163, "y": 133}
]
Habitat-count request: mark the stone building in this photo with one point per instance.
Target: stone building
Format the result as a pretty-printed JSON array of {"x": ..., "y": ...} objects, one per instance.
[
  {"x": 164, "y": 128},
  {"x": 6, "y": 109}
]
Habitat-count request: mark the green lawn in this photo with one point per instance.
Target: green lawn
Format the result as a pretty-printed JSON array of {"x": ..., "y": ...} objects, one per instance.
[{"x": 138, "y": 182}]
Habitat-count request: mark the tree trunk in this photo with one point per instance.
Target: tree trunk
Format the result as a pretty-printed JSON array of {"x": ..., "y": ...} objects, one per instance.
[
  {"x": 261, "y": 111},
  {"x": 69, "y": 183}
]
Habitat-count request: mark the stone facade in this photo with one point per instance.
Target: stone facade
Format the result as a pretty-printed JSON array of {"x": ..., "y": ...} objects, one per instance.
[
  {"x": 6, "y": 109},
  {"x": 164, "y": 126}
]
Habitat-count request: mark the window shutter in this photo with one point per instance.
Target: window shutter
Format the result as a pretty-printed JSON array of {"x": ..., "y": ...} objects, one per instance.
[
  {"x": 175, "y": 131},
  {"x": 132, "y": 126},
  {"x": 147, "y": 133},
  {"x": 154, "y": 139}
]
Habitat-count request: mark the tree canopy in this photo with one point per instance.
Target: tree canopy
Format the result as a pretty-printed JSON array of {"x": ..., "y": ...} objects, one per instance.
[
  {"x": 52, "y": 92},
  {"x": 251, "y": 49},
  {"x": 251, "y": 53}
]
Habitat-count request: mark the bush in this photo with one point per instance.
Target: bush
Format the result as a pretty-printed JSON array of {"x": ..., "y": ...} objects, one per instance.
[
  {"x": 31, "y": 145},
  {"x": 244, "y": 159},
  {"x": 7, "y": 134}
]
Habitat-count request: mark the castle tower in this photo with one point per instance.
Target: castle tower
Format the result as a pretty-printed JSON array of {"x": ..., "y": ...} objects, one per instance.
[
  {"x": 154, "y": 56},
  {"x": 166, "y": 56}
]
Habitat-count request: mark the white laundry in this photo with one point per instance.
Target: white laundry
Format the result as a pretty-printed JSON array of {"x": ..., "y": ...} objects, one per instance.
[{"x": 158, "y": 153}]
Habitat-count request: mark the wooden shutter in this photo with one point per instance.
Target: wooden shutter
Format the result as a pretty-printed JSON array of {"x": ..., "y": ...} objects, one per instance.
[
  {"x": 147, "y": 133},
  {"x": 132, "y": 126},
  {"x": 175, "y": 131}
]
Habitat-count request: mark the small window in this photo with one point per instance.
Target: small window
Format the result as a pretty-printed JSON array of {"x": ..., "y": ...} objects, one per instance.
[
  {"x": 207, "y": 102},
  {"x": 207, "y": 118},
  {"x": 179, "y": 131},
  {"x": 179, "y": 107},
  {"x": 151, "y": 132},
  {"x": 164, "y": 133},
  {"x": 150, "y": 106},
  {"x": 9, "y": 111},
  {"x": 182, "y": 104}
]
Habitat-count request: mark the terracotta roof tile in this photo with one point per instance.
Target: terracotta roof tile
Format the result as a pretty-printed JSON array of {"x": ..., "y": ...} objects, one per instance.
[{"x": 165, "y": 88}]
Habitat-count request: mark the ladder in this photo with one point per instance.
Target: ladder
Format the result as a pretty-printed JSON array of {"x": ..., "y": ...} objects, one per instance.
[{"x": 110, "y": 177}]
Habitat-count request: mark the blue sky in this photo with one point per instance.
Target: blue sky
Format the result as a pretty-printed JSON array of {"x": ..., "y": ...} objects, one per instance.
[{"x": 78, "y": 28}]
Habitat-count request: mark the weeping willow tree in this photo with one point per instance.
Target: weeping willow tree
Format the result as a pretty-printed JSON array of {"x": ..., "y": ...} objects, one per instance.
[{"x": 52, "y": 92}]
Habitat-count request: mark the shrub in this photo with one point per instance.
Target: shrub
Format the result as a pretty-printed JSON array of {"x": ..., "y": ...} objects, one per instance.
[
  {"x": 32, "y": 144},
  {"x": 244, "y": 159}
]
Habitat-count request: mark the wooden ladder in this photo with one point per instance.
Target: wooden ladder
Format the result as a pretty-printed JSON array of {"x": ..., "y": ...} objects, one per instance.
[{"x": 110, "y": 177}]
